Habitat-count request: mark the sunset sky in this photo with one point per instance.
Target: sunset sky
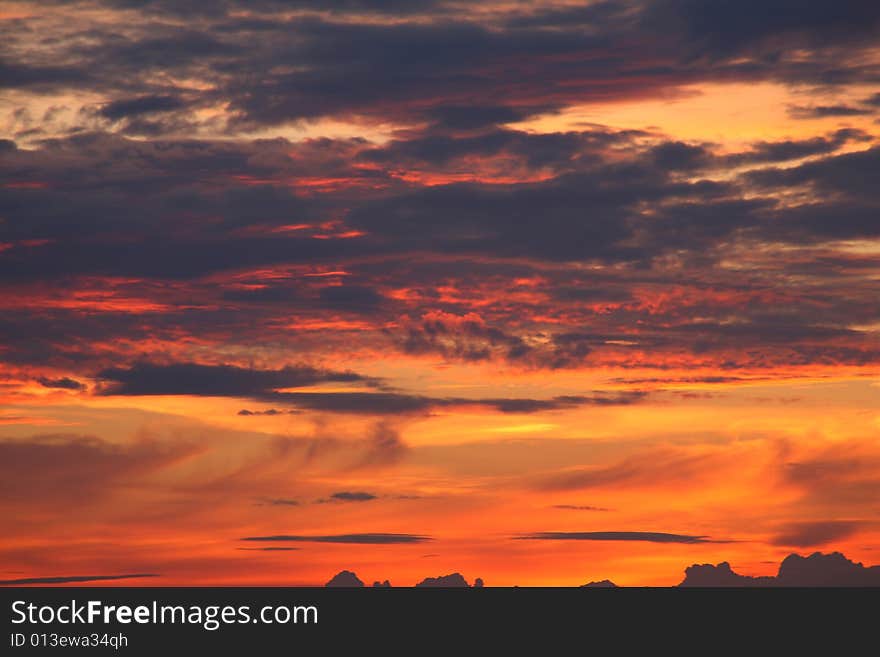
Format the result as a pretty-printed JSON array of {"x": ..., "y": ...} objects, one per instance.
[{"x": 539, "y": 292}]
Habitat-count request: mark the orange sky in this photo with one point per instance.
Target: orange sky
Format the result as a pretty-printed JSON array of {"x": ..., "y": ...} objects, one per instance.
[{"x": 545, "y": 302}]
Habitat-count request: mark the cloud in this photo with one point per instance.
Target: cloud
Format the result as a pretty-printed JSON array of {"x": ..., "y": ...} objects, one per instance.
[
  {"x": 667, "y": 467},
  {"x": 129, "y": 107},
  {"x": 578, "y": 507},
  {"x": 384, "y": 447},
  {"x": 270, "y": 549},
  {"x": 73, "y": 579},
  {"x": 362, "y": 539},
  {"x": 718, "y": 30},
  {"x": 791, "y": 149},
  {"x": 351, "y": 298},
  {"x": 352, "y": 496},
  {"x": 146, "y": 378},
  {"x": 270, "y": 411},
  {"x": 845, "y": 475},
  {"x": 824, "y": 111},
  {"x": 501, "y": 219},
  {"x": 62, "y": 471},
  {"x": 650, "y": 537},
  {"x": 64, "y": 383},
  {"x": 324, "y": 65},
  {"x": 389, "y": 403},
  {"x": 594, "y": 217},
  {"x": 810, "y": 534},
  {"x": 279, "y": 501}
]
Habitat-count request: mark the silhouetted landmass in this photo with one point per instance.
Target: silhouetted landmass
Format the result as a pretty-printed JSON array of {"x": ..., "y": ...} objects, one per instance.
[
  {"x": 816, "y": 570},
  {"x": 826, "y": 570},
  {"x": 454, "y": 580},
  {"x": 345, "y": 578},
  {"x": 721, "y": 575}
]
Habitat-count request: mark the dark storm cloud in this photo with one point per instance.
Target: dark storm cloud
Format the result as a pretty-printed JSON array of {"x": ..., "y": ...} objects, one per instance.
[
  {"x": 723, "y": 29},
  {"x": 470, "y": 117},
  {"x": 780, "y": 151},
  {"x": 591, "y": 294},
  {"x": 100, "y": 205},
  {"x": 848, "y": 181},
  {"x": 352, "y": 298},
  {"x": 231, "y": 381},
  {"x": 676, "y": 155},
  {"x": 72, "y": 579},
  {"x": 362, "y": 539},
  {"x": 198, "y": 8},
  {"x": 168, "y": 47},
  {"x": 213, "y": 380},
  {"x": 461, "y": 339},
  {"x": 64, "y": 383},
  {"x": 592, "y": 213},
  {"x": 823, "y": 111},
  {"x": 579, "y": 217},
  {"x": 421, "y": 67},
  {"x": 852, "y": 174},
  {"x": 391, "y": 403},
  {"x": 369, "y": 403},
  {"x": 562, "y": 151},
  {"x": 129, "y": 107},
  {"x": 765, "y": 329},
  {"x": 168, "y": 259},
  {"x": 651, "y": 537},
  {"x": 420, "y": 59},
  {"x": 16, "y": 75},
  {"x": 84, "y": 180},
  {"x": 416, "y": 60}
]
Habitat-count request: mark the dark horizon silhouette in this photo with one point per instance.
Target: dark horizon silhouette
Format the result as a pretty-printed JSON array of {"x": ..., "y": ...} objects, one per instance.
[{"x": 816, "y": 570}]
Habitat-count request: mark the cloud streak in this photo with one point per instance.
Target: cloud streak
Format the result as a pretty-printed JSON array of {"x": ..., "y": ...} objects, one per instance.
[
  {"x": 73, "y": 579},
  {"x": 649, "y": 537},
  {"x": 358, "y": 539}
]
